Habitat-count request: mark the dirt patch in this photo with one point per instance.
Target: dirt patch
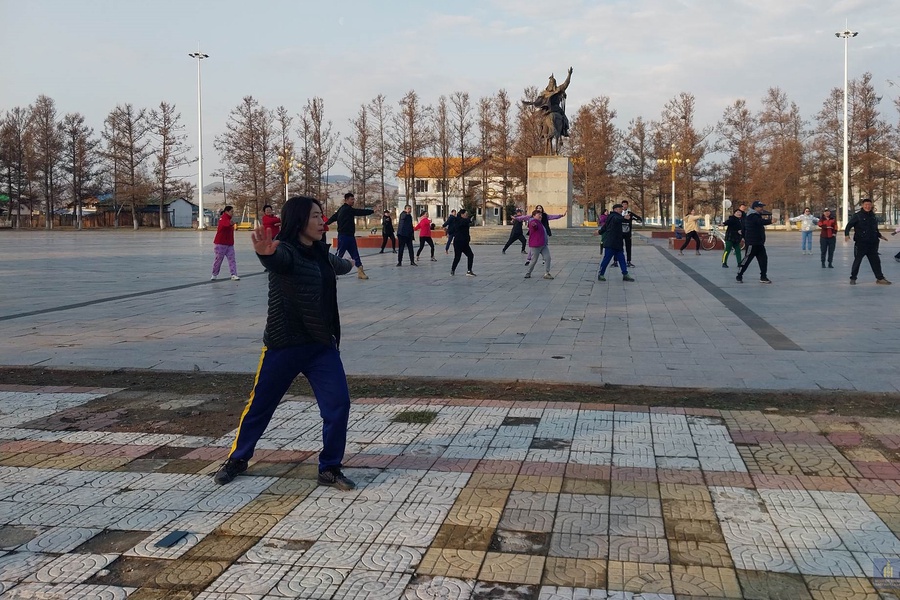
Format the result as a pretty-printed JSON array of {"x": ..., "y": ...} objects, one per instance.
[{"x": 210, "y": 404}]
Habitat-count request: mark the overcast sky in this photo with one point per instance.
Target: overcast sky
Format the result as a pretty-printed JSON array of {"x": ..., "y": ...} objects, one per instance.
[{"x": 89, "y": 55}]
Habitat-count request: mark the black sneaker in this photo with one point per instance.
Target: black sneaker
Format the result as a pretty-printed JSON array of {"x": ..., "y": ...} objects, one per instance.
[
  {"x": 739, "y": 279},
  {"x": 765, "y": 280},
  {"x": 231, "y": 469},
  {"x": 470, "y": 274},
  {"x": 852, "y": 281},
  {"x": 724, "y": 266},
  {"x": 334, "y": 478}
]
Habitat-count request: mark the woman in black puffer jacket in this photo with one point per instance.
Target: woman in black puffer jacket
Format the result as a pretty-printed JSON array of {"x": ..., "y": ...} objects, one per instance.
[{"x": 302, "y": 335}]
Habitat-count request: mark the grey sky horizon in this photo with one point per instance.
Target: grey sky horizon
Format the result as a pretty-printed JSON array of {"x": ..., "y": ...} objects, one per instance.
[{"x": 90, "y": 55}]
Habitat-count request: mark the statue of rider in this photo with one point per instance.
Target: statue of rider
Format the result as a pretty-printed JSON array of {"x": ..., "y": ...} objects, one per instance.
[{"x": 553, "y": 100}]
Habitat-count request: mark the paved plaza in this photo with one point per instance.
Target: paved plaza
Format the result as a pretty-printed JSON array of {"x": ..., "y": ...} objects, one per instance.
[
  {"x": 490, "y": 499},
  {"x": 144, "y": 300}
]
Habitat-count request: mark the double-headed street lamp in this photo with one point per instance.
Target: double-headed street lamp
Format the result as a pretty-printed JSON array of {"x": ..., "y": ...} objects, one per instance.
[
  {"x": 201, "y": 222},
  {"x": 674, "y": 159},
  {"x": 286, "y": 163},
  {"x": 845, "y": 209}
]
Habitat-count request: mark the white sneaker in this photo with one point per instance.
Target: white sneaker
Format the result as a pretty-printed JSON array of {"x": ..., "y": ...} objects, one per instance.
[
  {"x": 235, "y": 278},
  {"x": 213, "y": 278}
]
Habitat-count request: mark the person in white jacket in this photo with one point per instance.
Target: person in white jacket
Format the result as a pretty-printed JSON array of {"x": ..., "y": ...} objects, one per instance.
[{"x": 807, "y": 226}]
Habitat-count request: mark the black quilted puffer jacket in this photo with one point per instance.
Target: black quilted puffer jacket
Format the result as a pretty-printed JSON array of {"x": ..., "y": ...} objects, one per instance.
[{"x": 303, "y": 295}]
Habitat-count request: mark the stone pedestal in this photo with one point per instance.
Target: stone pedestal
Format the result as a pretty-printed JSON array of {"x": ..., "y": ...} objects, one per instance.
[{"x": 550, "y": 185}]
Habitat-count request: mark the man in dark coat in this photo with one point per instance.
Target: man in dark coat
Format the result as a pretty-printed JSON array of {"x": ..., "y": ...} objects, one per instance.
[
  {"x": 755, "y": 239},
  {"x": 614, "y": 243},
  {"x": 346, "y": 226},
  {"x": 516, "y": 233},
  {"x": 387, "y": 232},
  {"x": 406, "y": 233},
  {"x": 865, "y": 238}
]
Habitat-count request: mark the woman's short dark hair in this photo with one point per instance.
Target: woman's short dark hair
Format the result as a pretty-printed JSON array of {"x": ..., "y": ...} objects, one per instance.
[
  {"x": 267, "y": 206},
  {"x": 295, "y": 217},
  {"x": 226, "y": 209}
]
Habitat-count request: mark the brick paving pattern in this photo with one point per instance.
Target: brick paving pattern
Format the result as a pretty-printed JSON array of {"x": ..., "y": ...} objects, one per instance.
[{"x": 490, "y": 500}]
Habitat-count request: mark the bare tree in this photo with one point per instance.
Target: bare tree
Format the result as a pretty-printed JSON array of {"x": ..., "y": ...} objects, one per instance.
[
  {"x": 284, "y": 149},
  {"x": 247, "y": 148},
  {"x": 360, "y": 155},
  {"x": 127, "y": 148},
  {"x": 485, "y": 148},
  {"x": 528, "y": 140},
  {"x": 782, "y": 138},
  {"x": 503, "y": 148},
  {"x": 596, "y": 146},
  {"x": 79, "y": 148},
  {"x": 443, "y": 149},
  {"x": 170, "y": 152},
  {"x": 677, "y": 127},
  {"x": 739, "y": 139},
  {"x": 873, "y": 136},
  {"x": 411, "y": 136},
  {"x": 635, "y": 164},
  {"x": 15, "y": 139},
  {"x": 463, "y": 124},
  {"x": 47, "y": 139},
  {"x": 324, "y": 145},
  {"x": 380, "y": 112}
]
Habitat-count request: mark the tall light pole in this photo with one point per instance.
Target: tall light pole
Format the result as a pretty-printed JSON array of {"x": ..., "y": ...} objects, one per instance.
[
  {"x": 673, "y": 159},
  {"x": 845, "y": 209},
  {"x": 201, "y": 222},
  {"x": 286, "y": 163}
]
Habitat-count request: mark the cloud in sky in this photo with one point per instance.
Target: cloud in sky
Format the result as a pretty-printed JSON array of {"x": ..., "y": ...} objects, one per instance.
[{"x": 642, "y": 53}]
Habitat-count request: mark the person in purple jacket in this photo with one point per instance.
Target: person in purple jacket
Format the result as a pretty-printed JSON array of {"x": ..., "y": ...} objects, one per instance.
[{"x": 537, "y": 241}]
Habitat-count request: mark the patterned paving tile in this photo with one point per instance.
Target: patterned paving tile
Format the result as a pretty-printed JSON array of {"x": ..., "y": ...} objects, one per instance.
[
  {"x": 714, "y": 582},
  {"x": 575, "y": 572},
  {"x": 249, "y": 579},
  {"x": 71, "y": 568},
  {"x": 449, "y": 562},
  {"x": 423, "y": 587},
  {"x": 639, "y": 578},
  {"x": 311, "y": 582},
  {"x": 512, "y": 568}
]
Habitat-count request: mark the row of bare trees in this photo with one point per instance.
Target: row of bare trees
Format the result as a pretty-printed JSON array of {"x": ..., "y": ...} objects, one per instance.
[
  {"x": 49, "y": 163},
  {"x": 770, "y": 153}
]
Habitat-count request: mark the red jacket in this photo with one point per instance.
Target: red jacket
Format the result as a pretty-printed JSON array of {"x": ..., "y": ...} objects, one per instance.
[
  {"x": 828, "y": 225},
  {"x": 272, "y": 222},
  {"x": 424, "y": 227},
  {"x": 225, "y": 232}
]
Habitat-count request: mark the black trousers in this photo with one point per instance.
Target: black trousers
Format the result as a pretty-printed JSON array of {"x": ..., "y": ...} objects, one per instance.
[
  {"x": 757, "y": 251},
  {"x": 826, "y": 245},
  {"x": 406, "y": 243},
  {"x": 460, "y": 248},
  {"x": 627, "y": 240},
  {"x": 693, "y": 235},
  {"x": 388, "y": 236},
  {"x": 422, "y": 242},
  {"x": 512, "y": 240},
  {"x": 866, "y": 250}
]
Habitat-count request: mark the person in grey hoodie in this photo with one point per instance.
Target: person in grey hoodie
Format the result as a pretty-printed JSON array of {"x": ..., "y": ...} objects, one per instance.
[{"x": 807, "y": 226}]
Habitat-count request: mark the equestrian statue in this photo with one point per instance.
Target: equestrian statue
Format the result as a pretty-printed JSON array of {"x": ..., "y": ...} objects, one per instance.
[{"x": 554, "y": 123}]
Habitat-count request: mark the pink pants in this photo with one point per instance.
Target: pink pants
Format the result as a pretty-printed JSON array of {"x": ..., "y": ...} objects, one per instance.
[{"x": 223, "y": 251}]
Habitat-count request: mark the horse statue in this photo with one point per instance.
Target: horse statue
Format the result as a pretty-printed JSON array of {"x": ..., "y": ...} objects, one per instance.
[
  {"x": 551, "y": 132},
  {"x": 554, "y": 123}
]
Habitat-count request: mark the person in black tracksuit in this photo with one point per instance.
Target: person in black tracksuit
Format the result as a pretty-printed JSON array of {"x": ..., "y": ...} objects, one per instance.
[
  {"x": 516, "y": 233},
  {"x": 755, "y": 238},
  {"x": 461, "y": 241},
  {"x": 630, "y": 219},
  {"x": 406, "y": 233},
  {"x": 450, "y": 228},
  {"x": 345, "y": 217},
  {"x": 734, "y": 230},
  {"x": 865, "y": 239},
  {"x": 387, "y": 232}
]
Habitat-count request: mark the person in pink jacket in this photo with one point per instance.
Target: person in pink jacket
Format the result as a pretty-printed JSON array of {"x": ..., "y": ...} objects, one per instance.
[
  {"x": 424, "y": 229},
  {"x": 545, "y": 221},
  {"x": 537, "y": 241}
]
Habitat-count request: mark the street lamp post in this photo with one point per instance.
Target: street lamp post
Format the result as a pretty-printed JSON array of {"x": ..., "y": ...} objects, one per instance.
[
  {"x": 673, "y": 159},
  {"x": 286, "y": 163},
  {"x": 201, "y": 221},
  {"x": 845, "y": 209}
]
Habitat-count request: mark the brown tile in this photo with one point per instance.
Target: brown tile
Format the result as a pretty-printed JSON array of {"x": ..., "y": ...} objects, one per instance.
[
  {"x": 160, "y": 594},
  {"x": 185, "y": 465},
  {"x": 492, "y": 481},
  {"x": 462, "y": 537},
  {"x": 707, "y": 554},
  {"x": 575, "y": 572},
  {"x": 12, "y": 536},
  {"x": 766, "y": 585},
  {"x": 680, "y": 510},
  {"x": 840, "y": 588},
  {"x": 716, "y": 582},
  {"x": 537, "y": 483},
  {"x": 219, "y": 547},
  {"x": 583, "y": 486},
  {"x": 512, "y": 568},
  {"x": 112, "y": 542},
  {"x": 639, "y": 577},
  {"x": 634, "y": 489},
  {"x": 451, "y": 562},
  {"x": 482, "y": 497},
  {"x": 189, "y": 574},
  {"x": 474, "y": 516},
  {"x": 696, "y": 493},
  {"x": 130, "y": 571},
  {"x": 694, "y": 531}
]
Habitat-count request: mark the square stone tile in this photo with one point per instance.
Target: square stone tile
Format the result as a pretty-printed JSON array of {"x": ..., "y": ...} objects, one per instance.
[
  {"x": 828, "y": 563},
  {"x": 512, "y": 568},
  {"x": 451, "y": 562},
  {"x": 762, "y": 558},
  {"x": 639, "y": 578},
  {"x": 16, "y": 566},
  {"x": 338, "y": 555},
  {"x": 408, "y": 533},
  {"x": 527, "y": 520},
  {"x": 575, "y": 572},
  {"x": 363, "y": 585},
  {"x": 636, "y": 549},
  {"x": 217, "y": 546},
  {"x": 629, "y": 526},
  {"x": 71, "y": 568},
  {"x": 13, "y": 536},
  {"x": 587, "y": 503},
  {"x": 391, "y": 558},
  {"x": 351, "y": 530},
  {"x": 677, "y": 491},
  {"x": 249, "y": 579},
  {"x": 463, "y": 537},
  {"x": 449, "y": 588},
  {"x": 520, "y": 542},
  {"x": 585, "y": 486},
  {"x": 311, "y": 582},
  {"x": 59, "y": 540},
  {"x": 474, "y": 516},
  {"x": 753, "y": 533},
  {"x": 840, "y": 588},
  {"x": 532, "y": 501},
  {"x": 581, "y": 523},
  {"x": 538, "y": 483},
  {"x": 822, "y": 538},
  {"x": 148, "y": 548},
  {"x": 274, "y": 551},
  {"x": 571, "y": 545},
  {"x": 189, "y": 574}
]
